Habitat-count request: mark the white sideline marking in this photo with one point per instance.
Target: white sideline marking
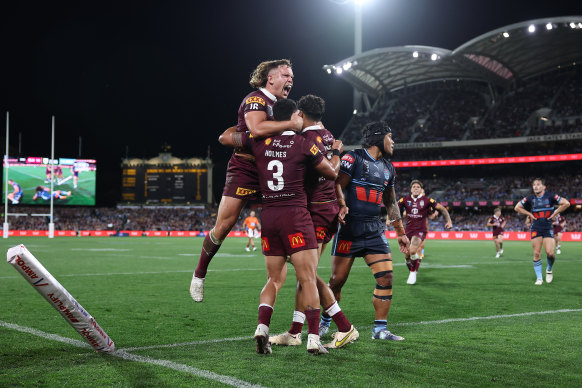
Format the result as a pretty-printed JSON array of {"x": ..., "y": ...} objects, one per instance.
[
  {"x": 100, "y": 249},
  {"x": 132, "y": 357},
  {"x": 368, "y": 327}
]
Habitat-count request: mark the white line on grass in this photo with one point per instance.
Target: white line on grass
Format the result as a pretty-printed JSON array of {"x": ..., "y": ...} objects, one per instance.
[
  {"x": 368, "y": 327},
  {"x": 132, "y": 357}
]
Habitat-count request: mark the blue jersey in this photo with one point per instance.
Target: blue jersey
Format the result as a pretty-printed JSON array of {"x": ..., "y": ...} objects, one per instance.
[
  {"x": 370, "y": 177},
  {"x": 17, "y": 188},
  {"x": 44, "y": 195},
  {"x": 541, "y": 207}
]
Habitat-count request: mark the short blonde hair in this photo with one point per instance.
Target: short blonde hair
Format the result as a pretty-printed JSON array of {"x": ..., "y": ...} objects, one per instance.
[{"x": 260, "y": 75}]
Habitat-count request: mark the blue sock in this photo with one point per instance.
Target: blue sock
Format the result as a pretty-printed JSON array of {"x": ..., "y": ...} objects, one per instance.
[
  {"x": 538, "y": 268},
  {"x": 325, "y": 320},
  {"x": 379, "y": 324},
  {"x": 551, "y": 260}
]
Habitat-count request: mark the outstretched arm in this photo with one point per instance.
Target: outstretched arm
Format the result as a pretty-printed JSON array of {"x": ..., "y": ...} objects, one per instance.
[
  {"x": 442, "y": 209},
  {"x": 395, "y": 219}
]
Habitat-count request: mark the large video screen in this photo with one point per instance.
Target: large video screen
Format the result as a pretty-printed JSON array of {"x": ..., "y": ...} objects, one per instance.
[{"x": 29, "y": 181}]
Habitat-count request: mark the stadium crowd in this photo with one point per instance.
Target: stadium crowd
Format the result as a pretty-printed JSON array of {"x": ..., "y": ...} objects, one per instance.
[{"x": 187, "y": 219}]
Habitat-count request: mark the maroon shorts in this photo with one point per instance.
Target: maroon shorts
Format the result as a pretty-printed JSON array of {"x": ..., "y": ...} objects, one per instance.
[
  {"x": 558, "y": 229},
  {"x": 286, "y": 230},
  {"x": 325, "y": 220},
  {"x": 421, "y": 234},
  {"x": 497, "y": 232},
  {"x": 242, "y": 180}
]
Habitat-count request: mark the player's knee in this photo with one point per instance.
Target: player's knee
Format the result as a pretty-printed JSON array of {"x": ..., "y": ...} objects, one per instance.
[
  {"x": 384, "y": 278},
  {"x": 336, "y": 283}
]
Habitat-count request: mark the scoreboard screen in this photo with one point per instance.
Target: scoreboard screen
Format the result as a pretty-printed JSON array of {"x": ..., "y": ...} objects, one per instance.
[{"x": 158, "y": 184}]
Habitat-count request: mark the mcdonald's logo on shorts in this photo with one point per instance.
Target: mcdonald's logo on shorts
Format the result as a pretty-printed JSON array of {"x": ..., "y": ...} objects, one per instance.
[
  {"x": 243, "y": 192},
  {"x": 533, "y": 234},
  {"x": 320, "y": 232},
  {"x": 343, "y": 246},
  {"x": 265, "y": 244},
  {"x": 296, "y": 240}
]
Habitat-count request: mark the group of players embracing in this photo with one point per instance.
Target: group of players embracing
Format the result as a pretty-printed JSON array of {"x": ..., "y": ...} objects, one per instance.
[{"x": 283, "y": 152}]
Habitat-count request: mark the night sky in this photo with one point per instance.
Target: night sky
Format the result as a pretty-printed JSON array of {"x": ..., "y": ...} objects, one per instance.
[{"x": 133, "y": 75}]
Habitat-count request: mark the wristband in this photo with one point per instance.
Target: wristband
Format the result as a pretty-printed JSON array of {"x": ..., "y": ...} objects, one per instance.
[{"x": 335, "y": 152}]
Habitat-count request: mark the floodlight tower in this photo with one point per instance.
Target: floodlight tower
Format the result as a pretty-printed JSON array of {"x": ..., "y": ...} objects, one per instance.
[{"x": 358, "y": 46}]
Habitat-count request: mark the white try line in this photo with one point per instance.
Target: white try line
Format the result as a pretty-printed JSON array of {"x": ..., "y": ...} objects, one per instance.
[
  {"x": 451, "y": 320},
  {"x": 131, "y": 357}
]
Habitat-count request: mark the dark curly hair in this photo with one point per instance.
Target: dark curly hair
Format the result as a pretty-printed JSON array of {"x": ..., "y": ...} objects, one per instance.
[{"x": 312, "y": 106}]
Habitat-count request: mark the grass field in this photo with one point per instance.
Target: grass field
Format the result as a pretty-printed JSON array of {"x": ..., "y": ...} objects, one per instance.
[
  {"x": 29, "y": 177},
  {"x": 471, "y": 320}
]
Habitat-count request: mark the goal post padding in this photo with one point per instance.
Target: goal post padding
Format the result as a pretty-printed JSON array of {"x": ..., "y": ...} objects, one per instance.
[{"x": 58, "y": 297}]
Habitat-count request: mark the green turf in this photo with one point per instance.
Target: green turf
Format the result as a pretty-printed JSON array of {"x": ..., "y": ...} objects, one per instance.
[
  {"x": 137, "y": 289},
  {"x": 29, "y": 177}
]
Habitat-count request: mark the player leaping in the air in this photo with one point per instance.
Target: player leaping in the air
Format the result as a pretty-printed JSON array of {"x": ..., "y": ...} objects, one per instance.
[
  {"x": 273, "y": 80},
  {"x": 539, "y": 208},
  {"x": 417, "y": 208}
]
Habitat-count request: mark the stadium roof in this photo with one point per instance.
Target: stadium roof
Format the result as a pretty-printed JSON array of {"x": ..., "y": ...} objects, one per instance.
[{"x": 501, "y": 56}]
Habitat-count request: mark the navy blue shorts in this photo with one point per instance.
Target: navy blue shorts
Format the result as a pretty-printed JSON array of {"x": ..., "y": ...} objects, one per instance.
[
  {"x": 541, "y": 232},
  {"x": 351, "y": 242}
]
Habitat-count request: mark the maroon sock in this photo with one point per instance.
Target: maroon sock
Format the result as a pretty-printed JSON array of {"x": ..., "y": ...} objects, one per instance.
[
  {"x": 410, "y": 265},
  {"x": 209, "y": 249},
  {"x": 417, "y": 264},
  {"x": 265, "y": 312},
  {"x": 312, "y": 317},
  {"x": 296, "y": 328},
  {"x": 341, "y": 322}
]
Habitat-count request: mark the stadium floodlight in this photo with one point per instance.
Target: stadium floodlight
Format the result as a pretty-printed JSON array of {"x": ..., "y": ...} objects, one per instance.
[
  {"x": 434, "y": 57},
  {"x": 549, "y": 26},
  {"x": 531, "y": 28},
  {"x": 506, "y": 34},
  {"x": 328, "y": 70},
  {"x": 572, "y": 25},
  {"x": 338, "y": 70},
  {"x": 347, "y": 65},
  {"x": 579, "y": 25},
  {"x": 415, "y": 54}
]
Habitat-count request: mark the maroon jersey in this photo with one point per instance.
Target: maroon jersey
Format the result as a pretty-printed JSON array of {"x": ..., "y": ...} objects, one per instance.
[
  {"x": 496, "y": 228},
  {"x": 282, "y": 162},
  {"x": 557, "y": 222},
  {"x": 318, "y": 188},
  {"x": 417, "y": 211}
]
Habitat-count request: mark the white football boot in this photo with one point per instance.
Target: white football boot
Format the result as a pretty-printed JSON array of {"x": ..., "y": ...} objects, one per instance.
[
  {"x": 539, "y": 282},
  {"x": 411, "y": 278},
  {"x": 341, "y": 339},
  {"x": 286, "y": 339},
  {"x": 314, "y": 345},
  {"x": 197, "y": 289},
  {"x": 262, "y": 339},
  {"x": 549, "y": 276}
]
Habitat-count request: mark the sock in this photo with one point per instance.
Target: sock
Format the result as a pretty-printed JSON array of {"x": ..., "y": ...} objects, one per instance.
[
  {"x": 558, "y": 247},
  {"x": 538, "y": 268},
  {"x": 265, "y": 312},
  {"x": 500, "y": 246},
  {"x": 417, "y": 264},
  {"x": 210, "y": 246},
  {"x": 325, "y": 320},
  {"x": 298, "y": 320},
  {"x": 551, "y": 260},
  {"x": 380, "y": 324},
  {"x": 312, "y": 320},
  {"x": 338, "y": 317},
  {"x": 410, "y": 265}
]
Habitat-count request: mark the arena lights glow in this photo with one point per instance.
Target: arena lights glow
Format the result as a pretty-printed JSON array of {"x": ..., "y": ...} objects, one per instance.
[
  {"x": 338, "y": 70},
  {"x": 485, "y": 161},
  {"x": 572, "y": 25},
  {"x": 549, "y": 26},
  {"x": 328, "y": 70},
  {"x": 506, "y": 34},
  {"x": 531, "y": 28},
  {"x": 346, "y": 66},
  {"x": 434, "y": 57},
  {"x": 415, "y": 54}
]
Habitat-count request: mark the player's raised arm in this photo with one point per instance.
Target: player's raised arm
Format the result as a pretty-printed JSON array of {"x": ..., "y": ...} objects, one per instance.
[
  {"x": 393, "y": 211},
  {"x": 564, "y": 204},
  {"x": 448, "y": 221},
  {"x": 259, "y": 126},
  {"x": 329, "y": 169}
]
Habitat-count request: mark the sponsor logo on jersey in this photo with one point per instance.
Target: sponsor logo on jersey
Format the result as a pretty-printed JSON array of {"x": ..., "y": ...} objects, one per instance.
[
  {"x": 347, "y": 165},
  {"x": 242, "y": 191},
  {"x": 296, "y": 240},
  {"x": 320, "y": 232},
  {"x": 314, "y": 150},
  {"x": 343, "y": 246},
  {"x": 318, "y": 138},
  {"x": 268, "y": 141},
  {"x": 265, "y": 244},
  {"x": 421, "y": 203},
  {"x": 348, "y": 158},
  {"x": 255, "y": 99}
]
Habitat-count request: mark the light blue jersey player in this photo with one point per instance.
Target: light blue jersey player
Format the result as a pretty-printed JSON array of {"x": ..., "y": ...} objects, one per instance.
[
  {"x": 540, "y": 211},
  {"x": 17, "y": 194},
  {"x": 44, "y": 193}
]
